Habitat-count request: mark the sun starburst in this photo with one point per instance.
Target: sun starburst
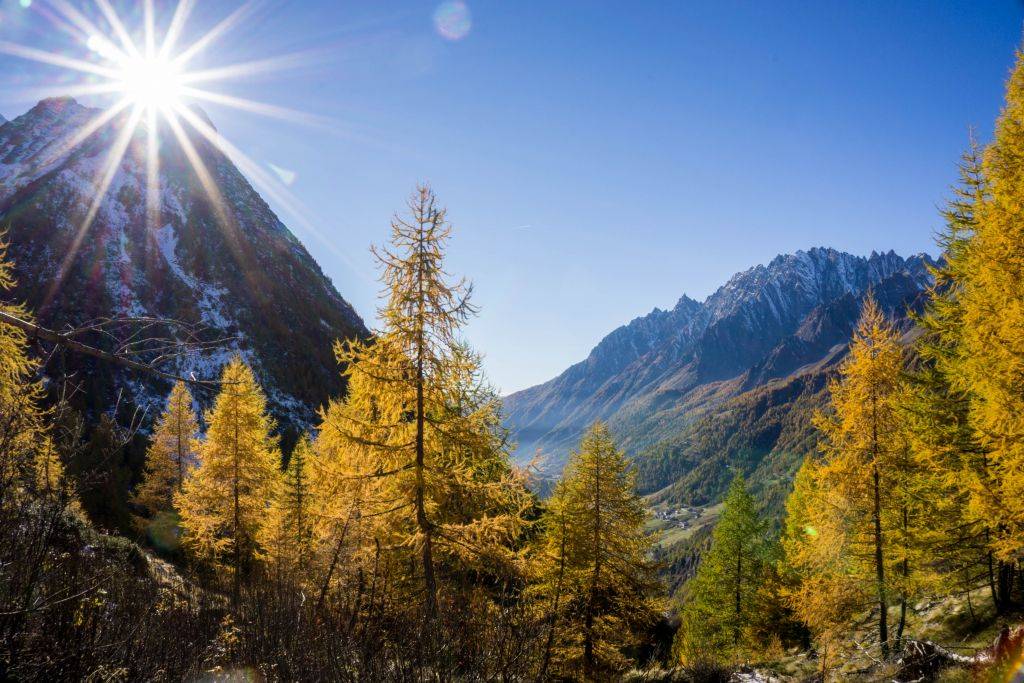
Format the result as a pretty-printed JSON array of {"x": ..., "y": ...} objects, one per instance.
[{"x": 149, "y": 77}]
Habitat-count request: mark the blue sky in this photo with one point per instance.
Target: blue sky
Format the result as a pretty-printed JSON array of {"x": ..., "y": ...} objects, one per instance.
[{"x": 602, "y": 158}]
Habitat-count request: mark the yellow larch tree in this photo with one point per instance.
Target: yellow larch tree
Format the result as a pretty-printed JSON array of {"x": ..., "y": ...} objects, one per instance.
[
  {"x": 350, "y": 484},
  {"x": 990, "y": 363},
  {"x": 286, "y": 535},
  {"x": 171, "y": 453},
  {"x": 434, "y": 467},
  {"x": 595, "y": 582},
  {"x": 223, "y": 502},
  {"x": 869, "y": 476},
  {"x": 936, "y": 410},
  {"x": 28, "y": 459},
  {"x": 817, "y": 565}
]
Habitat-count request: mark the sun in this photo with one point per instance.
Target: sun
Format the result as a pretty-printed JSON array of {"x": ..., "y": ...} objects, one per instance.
[{"x": 151, "y": 82}]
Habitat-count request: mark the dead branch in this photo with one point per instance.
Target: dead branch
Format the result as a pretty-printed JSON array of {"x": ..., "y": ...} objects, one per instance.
[{"x": 67, "y": 340}]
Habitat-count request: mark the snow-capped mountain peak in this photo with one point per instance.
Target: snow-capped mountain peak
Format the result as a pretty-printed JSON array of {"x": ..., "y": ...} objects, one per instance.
[{"x": 663, "y": 359}]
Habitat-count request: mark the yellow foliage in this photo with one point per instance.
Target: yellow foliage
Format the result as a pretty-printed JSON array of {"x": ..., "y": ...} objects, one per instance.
[
  {"x": 990, "y": 365},
  {"x": 286, "y": 537},
  {"x": 856, "y": 519},
  {"x": 171, "y": 453},
  {"x": 224, "y": 501},
  {"x": 28, "y": 458},
  {"x": 417, "y": 453},
  {"x": 593, "y": 580}
]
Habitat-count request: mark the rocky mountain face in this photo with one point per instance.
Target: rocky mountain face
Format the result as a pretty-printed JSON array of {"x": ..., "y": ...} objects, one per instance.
[
  {"x": 655, "y": 379},
  {"x": 223, "y": 262}
]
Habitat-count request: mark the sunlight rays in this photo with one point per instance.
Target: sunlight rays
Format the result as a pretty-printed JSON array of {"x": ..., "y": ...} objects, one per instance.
[
  {"x": 145, "y": 73},
  {"x": 211, "y": 36},
  {"x": 119, "y": 29},
  {"x": 109, "y": 171},
  {"x": 263, "y": 180},
  {"x": 53, "y": 59},
  {"x": 174, "y": 29},
  {"x": 241, "y": 103}
]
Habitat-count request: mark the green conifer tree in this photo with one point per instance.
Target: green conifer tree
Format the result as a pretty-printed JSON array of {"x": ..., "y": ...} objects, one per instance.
[{"x": 724, "y": 596}]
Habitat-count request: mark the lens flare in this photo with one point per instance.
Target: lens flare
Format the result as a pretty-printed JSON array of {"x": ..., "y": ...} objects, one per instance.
[{"x": 452, "y": 20}]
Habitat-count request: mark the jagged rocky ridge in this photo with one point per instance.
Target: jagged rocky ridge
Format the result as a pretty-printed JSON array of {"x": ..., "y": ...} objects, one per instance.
[
  {"x": 249, "y": 279},
  {"x": 658, "y": 376}
]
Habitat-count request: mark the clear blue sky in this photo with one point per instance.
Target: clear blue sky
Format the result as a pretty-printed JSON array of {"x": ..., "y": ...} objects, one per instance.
[{"x": 602, "y": 158}]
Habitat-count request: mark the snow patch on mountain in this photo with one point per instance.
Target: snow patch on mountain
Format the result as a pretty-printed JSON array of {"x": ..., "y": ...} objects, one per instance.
[{"x": 222, "y": 261}]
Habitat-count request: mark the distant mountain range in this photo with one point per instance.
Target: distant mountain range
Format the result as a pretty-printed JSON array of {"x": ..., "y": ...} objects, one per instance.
[
  {"x": 234, "y": 268},
  {"x": 708, "y": 387}
]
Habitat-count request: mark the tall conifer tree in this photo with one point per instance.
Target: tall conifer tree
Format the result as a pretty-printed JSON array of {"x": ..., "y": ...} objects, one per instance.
[
  {"x": 434, "y": 469},
  {"x": 817, "y": 565},
  {"x": 596, "y": 579},
  {"x": 28, "y": 459},
  {"x": 990, "y": 362},
  {"x": 286, "y": 536},
  {"x": 223, "y": 503},
  {"x": 171, "y": 453},
  {"x": 936, "y": 409},
  {"x": 724, "y": 595},
  {"x": 869, "y": 476}
]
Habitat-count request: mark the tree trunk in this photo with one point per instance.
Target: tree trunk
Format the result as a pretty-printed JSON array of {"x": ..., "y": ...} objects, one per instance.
[
  {"x": 902, "y": 622},
  {"x": 334, "y": 563},
  {"x": 883, "y": 620},
  {"x": 236, "y": 589},
  {"x": 181, "y": 453},
  {"x": 905, "y": 571},
  {"x": 738, "y": 597},
  {"x": 554, "y": 608},
  {"x": 992, "y": 579},
  {"x": 588, "y": 625},
  {"x": 421, "y": 511},
  {"x": 1004, "y": 586},
  {"x": 883, "y": 609}
]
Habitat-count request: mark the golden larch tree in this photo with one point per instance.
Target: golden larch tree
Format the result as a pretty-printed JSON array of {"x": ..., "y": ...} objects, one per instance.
[
  {"x": 171, "y": 453},
  {"x": 28, "y": 458},
  {"x": 936, "y": 409},
  {"x": 433, "y": 467},
  {"x": 286, "y": 536},
  {"x": 868, "y": 474},
  {"x": 594, "y": 576},
  {"x": 224, "y": 501},
  {"x": 990, "y": 364}
]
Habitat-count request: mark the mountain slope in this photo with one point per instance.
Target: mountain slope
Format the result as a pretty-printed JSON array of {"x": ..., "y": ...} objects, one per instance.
[
  {"x": 652, "y": 377},
  {"x": 226, "y": 263}
]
